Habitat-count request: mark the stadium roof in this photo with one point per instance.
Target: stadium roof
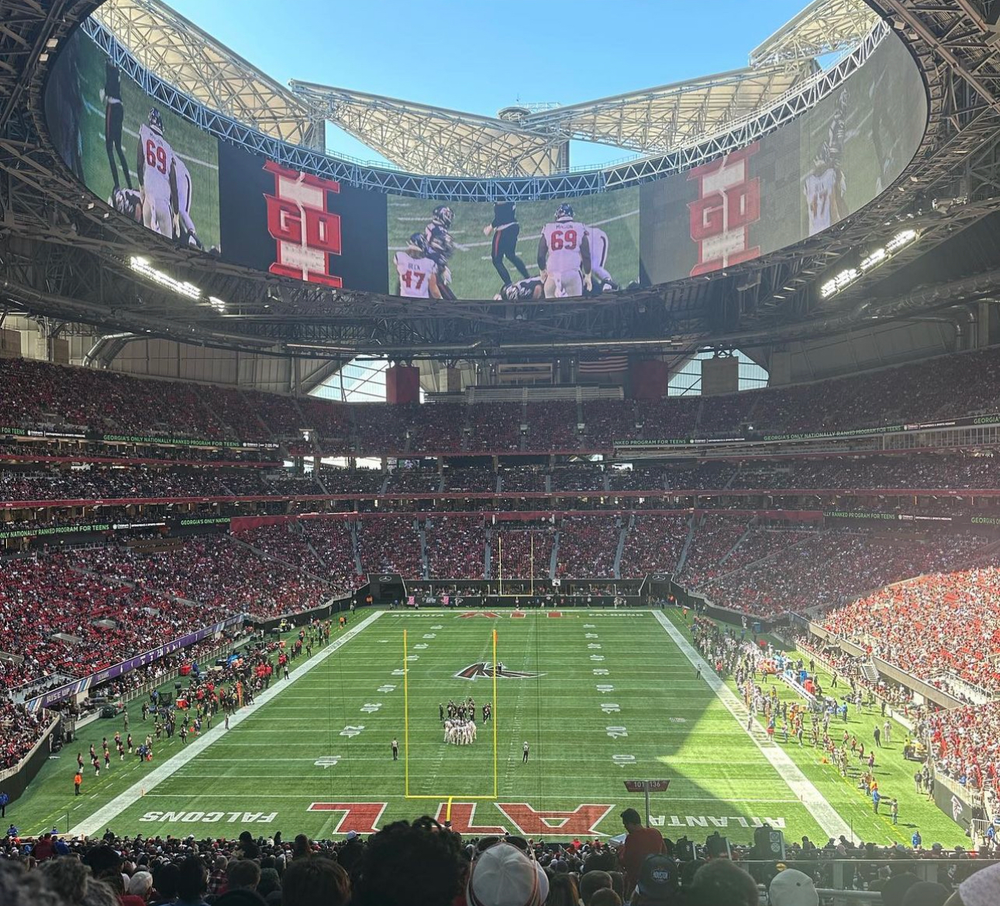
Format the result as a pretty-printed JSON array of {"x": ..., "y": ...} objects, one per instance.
[
  {"x": 518, "y": 142},
  {"x": 194, "y": 62}
]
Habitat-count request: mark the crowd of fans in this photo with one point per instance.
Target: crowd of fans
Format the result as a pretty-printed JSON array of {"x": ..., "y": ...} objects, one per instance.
[
  {"x": 19, "y": 731},
  {"x": 832, "y": 566},
  {"x": 390, "y": 544},
  {"x": 521, "y": 553},
  {"x": 934, "y": 625},
  {"x": 38, "y": 394},
  {"x": 587, "y": 546},
  {"x": 966, "y": 743},
  {"x": 426, "y": 863},
  {"x": 911, "y": 472},
  {"x": 654, "y": 545},
  {"x": 456, "y": 547}
]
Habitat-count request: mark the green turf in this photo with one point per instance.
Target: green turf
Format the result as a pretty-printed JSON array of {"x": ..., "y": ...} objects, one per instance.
[
  {"x": 893, "y": 772},
  {"x": 676, "y": 728},
  {"x": 473, "y": 275},
  {"x": 198, "y": 150}
]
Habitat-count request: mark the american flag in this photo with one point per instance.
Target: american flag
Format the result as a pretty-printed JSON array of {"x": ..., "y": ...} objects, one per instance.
[{"x": 609, "y": 364}]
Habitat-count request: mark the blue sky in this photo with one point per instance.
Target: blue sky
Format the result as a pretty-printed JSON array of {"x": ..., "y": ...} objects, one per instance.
[{"x": 479, "y": 56}]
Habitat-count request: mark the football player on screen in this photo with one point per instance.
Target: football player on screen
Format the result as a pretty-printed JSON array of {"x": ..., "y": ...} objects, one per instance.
[
  {"x": 505, "y": 230},
  {"x": 154, "y": 165},
  {"x": 564, "y": 255},
  {"x": 529, "y": 290},
  {"x": 597, "y": 239},
  {"x": 440, "y": 247},
  {"x": 416, "y": 271},
  {"x": 181, "y": 188},
  {"x": 114, "y": 118}
]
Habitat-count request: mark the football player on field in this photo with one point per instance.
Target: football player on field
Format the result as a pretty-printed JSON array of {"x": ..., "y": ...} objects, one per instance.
[
  {"x": 416, "y": 271},
  {"x": 440, "y": 247},
  {"x": 564, "y": 255},
  {"x": 154, "y": 163},
  {"x": 528, "y": 290}
]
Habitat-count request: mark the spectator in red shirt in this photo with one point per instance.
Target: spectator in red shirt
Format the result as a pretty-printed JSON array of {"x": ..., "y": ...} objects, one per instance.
[{"x": 639, "y": 843}]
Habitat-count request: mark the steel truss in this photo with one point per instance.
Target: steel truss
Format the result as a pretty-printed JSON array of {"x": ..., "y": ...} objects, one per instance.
[
  {"x": 384, "y": 179},
  {"x": 823, "y": 27},
  {"x": 203, "y": 69},
  {"x": 63, "y": 254}
]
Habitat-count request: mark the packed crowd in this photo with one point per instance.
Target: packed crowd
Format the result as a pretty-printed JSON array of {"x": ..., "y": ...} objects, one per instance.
[
  {"x": 587, "y": 546},
  {"x": 390, "y": 544},
  {"x": 78, "y": 612},
  {"x": 831, "y": 566},
  {"x": 713, "y": 541},
  {"x": 37, "y": 394},
  {"x": 654, "y": 545},
  {"x": 934, "y": 625},
  {"x": 455, "y": 546},
  {"x": 214, "y": 571},
  {"x": 913, "y": 471},
  {"x": 521, "y": 553},
  {"x": 429, "y": 864},
  {"x": 19, "y": 731},
  {"x": 966, "y": 744}
]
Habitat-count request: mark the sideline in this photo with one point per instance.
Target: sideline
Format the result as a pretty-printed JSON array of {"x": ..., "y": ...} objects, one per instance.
[
  {"x": 104, "y": 815},
  {"x": 825, "y": 814}
]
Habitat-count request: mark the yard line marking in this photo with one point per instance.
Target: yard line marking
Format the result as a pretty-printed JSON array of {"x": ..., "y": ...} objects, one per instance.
[
  {"x": 105, "y": 815},
  {"x": 825, "y": 814}
]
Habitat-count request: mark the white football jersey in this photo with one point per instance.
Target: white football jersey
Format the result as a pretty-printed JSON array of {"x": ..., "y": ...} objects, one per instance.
[
  {"x": 414, "y": 275},
  {"x": 598, "y": 241},
  {"x": 183, "y": 179},
  {"x": 819, "y": 191},
  {"x": 563, "y": 240},
  {"x": 158, "y": 156}
]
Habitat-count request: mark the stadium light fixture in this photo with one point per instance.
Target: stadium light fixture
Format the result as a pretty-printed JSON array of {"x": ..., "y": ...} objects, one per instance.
[
  {"x": 182, "y": 288},
  {"x": 52, "y": 43},
  {"x": 217, "y": 303},
  {"x": 874, "y": 259}
]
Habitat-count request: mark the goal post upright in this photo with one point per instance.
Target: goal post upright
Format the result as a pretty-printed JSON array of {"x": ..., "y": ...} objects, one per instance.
[
  {"x": 493, "y": 720},
  {"x": 406, "y": 721}
]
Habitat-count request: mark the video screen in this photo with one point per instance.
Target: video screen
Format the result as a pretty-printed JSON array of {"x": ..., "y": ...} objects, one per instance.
[
  {"x": 513, "y": 251},
  {"x": 796, "y": 182},
  {"x": 165, "y": 173},
  {"x": 147, "y": 162}
]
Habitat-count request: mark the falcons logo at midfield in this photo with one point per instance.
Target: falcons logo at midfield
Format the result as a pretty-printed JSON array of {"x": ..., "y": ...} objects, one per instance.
[{"x": 486, "y": 669}]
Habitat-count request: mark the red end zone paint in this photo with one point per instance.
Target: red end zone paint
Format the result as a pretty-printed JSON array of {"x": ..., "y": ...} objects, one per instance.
[
  {"x": 362, "y": 817},
  {"x": 462, "y": 816},
  {"x": 555, "y": 613},
  {"x": 479, "y": 613},
  {"x": 517, "y": 615},
  {"x": 581, "y": 822}
]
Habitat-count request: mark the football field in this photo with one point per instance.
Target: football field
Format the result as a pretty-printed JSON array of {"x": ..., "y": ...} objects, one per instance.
[{"x": 599, "y": 696}]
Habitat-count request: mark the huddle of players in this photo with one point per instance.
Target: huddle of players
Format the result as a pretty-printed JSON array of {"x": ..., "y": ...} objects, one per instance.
[
  {"x": 460, "y": 732},
  {"x": 571, "y": 258},
  {"x": 162, "y": 202}
]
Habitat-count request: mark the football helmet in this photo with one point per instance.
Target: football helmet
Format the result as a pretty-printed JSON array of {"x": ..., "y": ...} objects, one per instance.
[
  {"x": 564, "y": 212},
  {"x": 417, "y": 243},
  {"x": 155, "y": 120},
  {"x": 443, "y": 216}
]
